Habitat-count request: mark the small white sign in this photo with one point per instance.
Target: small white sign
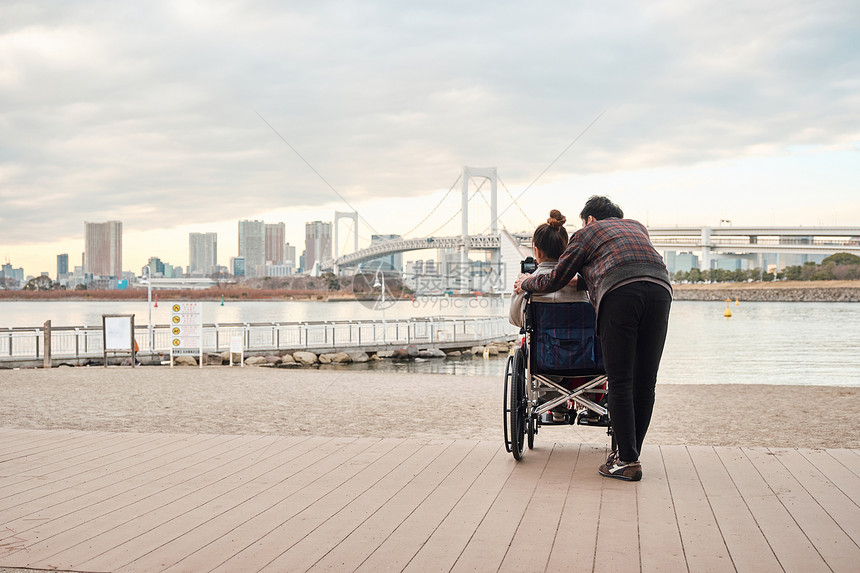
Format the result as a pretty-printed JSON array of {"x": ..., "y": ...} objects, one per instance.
[{"x": 236, "y": 344}]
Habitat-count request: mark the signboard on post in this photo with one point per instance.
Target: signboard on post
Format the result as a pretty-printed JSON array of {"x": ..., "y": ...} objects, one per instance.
[
  {"x": 118, "y": 332},
  {"x": 186, "y": 330},
  {"x": 237, "y": 347}
]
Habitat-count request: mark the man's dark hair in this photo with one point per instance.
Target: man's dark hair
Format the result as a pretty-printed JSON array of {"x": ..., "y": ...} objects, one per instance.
[{"x": 600, "y": 208}]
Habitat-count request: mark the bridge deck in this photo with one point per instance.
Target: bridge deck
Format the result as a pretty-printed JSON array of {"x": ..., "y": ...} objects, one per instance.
[{"x": 94, "y": 501}]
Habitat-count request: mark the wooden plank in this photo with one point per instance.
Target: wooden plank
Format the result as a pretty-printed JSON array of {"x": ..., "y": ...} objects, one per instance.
[
  {"x": 704, "y": 546},
  {"x": 617, "y": 544},
  {"x": 575, "y": 540},
  {"x": 13, "y": 442},
  {"x": 365, "y": 507},
  {"x": 494, "y": 534},
  {"x": 451, "y": 537},
  {"x": 660, "y": 547},
  {"x": 221, "y": 516},
  {"x": 788, "y": 542},
  {"x": 399, "y": 548},
  {"x": 363, "y": 541},
  {"x": 61, "y": 457},
  {"x": 69, "y": 503},
  {"x": 330, "y": 494},
  {"x": 747, "y": 546},
  {"x": 108, "y": 516},
  {"x": 533, "y": 541},
  {"x": 36, "y": 494},
  {"x": 838, "y": 550},
  {"x": 134, "y": 538},
  {"x": 316, "y": 476},
  {"x": 842, "y": 506},
  {"x": 850, "y": 459}
]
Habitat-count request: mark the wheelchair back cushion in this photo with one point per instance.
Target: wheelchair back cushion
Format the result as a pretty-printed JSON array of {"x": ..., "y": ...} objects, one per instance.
[{"x": 564, "y": 337}]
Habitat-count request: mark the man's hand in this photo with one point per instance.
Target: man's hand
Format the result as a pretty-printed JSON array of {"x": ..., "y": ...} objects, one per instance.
[
  {"x": 573, "y": 281},
  {"x": 518, "y": 282}
]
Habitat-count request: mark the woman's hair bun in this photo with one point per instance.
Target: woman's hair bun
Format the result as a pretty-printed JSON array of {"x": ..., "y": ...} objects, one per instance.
[{"x": 556, "y": 219}]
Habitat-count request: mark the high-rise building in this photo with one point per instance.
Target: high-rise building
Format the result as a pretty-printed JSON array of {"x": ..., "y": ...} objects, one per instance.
[
  {"x": 202, "y": 253},
  {"x": 62, "y": 265},
  {"x": 252, "y": 245},
  {"x": 290, "y": 254},
  {"x": 237, "y": 266},
  {"x": 103, "y": 249},
  {"x": 317, "y": 243},
  {"x": 276, "y": 234}
]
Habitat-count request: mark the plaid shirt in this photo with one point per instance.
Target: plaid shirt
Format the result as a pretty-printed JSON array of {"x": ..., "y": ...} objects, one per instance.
[{"x": 607, "y": 253}]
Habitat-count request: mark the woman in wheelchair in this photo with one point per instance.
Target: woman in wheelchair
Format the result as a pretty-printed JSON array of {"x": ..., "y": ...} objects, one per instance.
[
  {"x": 549, "y": 241},
  {"x": 556, "y": 376}
]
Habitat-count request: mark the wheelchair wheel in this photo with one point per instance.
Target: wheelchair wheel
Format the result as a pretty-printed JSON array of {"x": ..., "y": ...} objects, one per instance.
[{"x": 515, "y": 405}]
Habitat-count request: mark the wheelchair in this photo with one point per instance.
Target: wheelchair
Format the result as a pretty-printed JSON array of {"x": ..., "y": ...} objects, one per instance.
[{"x": 556, "y": 376}]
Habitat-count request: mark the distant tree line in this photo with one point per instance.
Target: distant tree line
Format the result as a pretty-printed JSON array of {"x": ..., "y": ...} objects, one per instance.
[{"x": 841, "y": 266}]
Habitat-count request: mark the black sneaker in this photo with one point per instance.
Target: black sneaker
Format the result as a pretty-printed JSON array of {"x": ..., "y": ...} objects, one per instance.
[{"x": 615, "y": 468}]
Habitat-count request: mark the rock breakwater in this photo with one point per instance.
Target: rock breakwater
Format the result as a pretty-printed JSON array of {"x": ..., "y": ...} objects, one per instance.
[{"x": 770, "y": 292}]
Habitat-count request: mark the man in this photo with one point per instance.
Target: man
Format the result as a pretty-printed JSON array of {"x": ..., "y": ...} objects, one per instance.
[{"x": 629, "y": 287}]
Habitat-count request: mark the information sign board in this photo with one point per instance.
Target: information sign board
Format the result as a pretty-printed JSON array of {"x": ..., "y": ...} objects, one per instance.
[{"x": 186, "y": 329}]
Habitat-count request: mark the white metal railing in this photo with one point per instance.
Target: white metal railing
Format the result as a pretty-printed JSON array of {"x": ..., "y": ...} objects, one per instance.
[{"x": 68, "y": 342}]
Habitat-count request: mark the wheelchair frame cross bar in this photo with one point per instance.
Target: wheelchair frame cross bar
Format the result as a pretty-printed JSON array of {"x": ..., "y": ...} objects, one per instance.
[{"x": 576, "y": 395}]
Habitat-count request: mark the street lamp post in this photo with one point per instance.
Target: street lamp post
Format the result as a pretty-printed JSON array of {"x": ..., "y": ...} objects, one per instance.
[
  {"x": 376, "y": 284},
  {"x": 149, "y": 306}
]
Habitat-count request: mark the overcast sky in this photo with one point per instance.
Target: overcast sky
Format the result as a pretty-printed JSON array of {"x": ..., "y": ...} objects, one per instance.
[{"x": 152, "y": 113}]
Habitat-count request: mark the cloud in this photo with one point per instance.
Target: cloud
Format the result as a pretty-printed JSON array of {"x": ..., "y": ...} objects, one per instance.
[{"x": 148, "y": 113}]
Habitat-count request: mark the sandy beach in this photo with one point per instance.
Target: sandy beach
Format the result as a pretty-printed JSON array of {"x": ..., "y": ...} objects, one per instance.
[{"x": 223, "y": 400}]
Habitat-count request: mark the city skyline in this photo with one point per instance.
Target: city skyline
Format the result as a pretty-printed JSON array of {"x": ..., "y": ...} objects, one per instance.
[{"x": 192, "y": 118}]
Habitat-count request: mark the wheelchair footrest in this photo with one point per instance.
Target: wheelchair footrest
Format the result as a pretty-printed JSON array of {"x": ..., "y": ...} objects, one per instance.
[{"x": 589, "y": 418}]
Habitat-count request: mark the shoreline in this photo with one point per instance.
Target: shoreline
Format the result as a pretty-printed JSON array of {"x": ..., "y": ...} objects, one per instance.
[{"x": 779, "y": 291}]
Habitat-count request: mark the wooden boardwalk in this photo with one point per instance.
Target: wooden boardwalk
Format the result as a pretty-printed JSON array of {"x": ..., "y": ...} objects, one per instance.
[{"x": 94, "y": 501}]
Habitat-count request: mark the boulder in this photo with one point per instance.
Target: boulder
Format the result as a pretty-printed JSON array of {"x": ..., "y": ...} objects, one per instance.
[
  {"x": 305, "y": 358},
  {"x": 454, "y": 354},
  {"x": 358, "y": 356},
  {"x": 272, "y": 359},
  {"x": 431, "y": 353},
  {"x": 412, "y": 350},
  {"x": 491, "y": 350},
  {"x": 341, "y": 358},
  {"x": 288, "y": 359},
  {"x": 184, "y": 360},
  {"x": 477, "y": 350},
  {"x": 255, "y": 360},
  {"x": 401, "y": 354},
  {"x": 225, "y": 357},
  {"x": 375, "y": 357},
  {"x": 385, "y": 354},
  {"x": 214, "y": 359},
  {"x": 325, "y": 358}
]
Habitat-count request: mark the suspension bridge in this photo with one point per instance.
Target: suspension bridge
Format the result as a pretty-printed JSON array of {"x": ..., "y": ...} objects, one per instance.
[{"x": 506, "y": 249}]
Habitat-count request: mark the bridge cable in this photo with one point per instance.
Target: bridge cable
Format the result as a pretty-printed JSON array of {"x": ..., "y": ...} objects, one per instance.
[
  {"x": 434, "y": 208},
  {"x": 457, "y": 212},
  {"x": 514, "y": 201},
  {"x": 315, "y": 171},
  {"x": 551, "y": 163}
]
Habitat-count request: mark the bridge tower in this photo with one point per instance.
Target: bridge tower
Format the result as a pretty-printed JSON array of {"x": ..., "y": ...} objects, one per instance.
[
  {"x": 468, "y": 174},
  {"x": 338, "y": 215}
]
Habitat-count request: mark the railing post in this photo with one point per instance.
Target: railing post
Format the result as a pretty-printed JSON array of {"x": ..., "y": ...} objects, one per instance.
[
  {"x": 47, "y": 334},
  {"x": 77, "y": 345},
  {"x": 37, "y": 342}
]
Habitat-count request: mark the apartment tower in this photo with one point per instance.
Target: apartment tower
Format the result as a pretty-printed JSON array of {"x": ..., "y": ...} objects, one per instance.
[
  {"x": 103, "y": 249},
  {"x": 202, "y": 254}
]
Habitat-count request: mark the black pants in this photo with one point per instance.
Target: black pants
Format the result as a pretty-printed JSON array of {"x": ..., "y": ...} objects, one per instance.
[{"x": 632, "y": 328}]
